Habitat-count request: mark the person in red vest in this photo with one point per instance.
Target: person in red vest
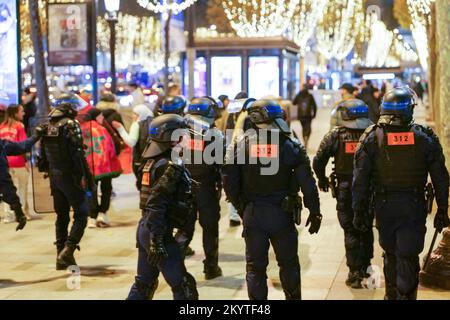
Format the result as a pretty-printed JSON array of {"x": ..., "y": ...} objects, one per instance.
[{"x": 103, "y": 164}]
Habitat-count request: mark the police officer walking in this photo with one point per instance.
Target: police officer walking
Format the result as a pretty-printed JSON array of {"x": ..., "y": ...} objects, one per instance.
[
  {"x": 268, "y": 200},
  {"x": 393, "y": 160},
  {"x": 340, "y": 143},
  {"x": 166, "y": 203},
  {"x": 208, "y": 192},
  {"x": 62, "y": 156}
]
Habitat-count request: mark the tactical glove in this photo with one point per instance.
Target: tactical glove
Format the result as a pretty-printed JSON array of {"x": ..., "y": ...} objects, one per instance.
[
  {"x": 157, "y": 250},
  {"x": 324, "y": 185},
  {"x": 315, "y": 219},
  {"x": 441, "y": 220},
  {"x": 40, "y": 131},
  {"x": 361, "y": 223}
]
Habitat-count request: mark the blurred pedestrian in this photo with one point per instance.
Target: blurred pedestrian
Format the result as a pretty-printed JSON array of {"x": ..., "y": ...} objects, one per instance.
[
  {"x": 367, "y": 95},
  {"x": 306, "y": 112},
  {"x": 137, "y": 137},
  {"x": 137, "y": 94},
  {"x": 12, "y": 129},
  {"x": 103, "y": 164},
  {"x": 29, "y": 106},
  {"x": 347, "y": 93}
]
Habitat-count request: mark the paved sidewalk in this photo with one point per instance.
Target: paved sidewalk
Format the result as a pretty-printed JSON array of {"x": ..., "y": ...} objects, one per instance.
[{"x": 108, "y": 256}]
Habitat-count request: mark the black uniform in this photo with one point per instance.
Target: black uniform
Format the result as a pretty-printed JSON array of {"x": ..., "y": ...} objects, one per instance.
[
  {"x": 166, "y": 204},
  {"x": 394, "y": 159},
  {"x": 261, "y": 201},
  {"x": 62, "y": 156},
  {"x": 208, "y": 191},
  {"x": 8, "y": 191},
  {"x": 340, "y": 143}
]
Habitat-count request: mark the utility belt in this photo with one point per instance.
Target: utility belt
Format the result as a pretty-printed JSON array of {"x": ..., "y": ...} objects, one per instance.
[{"x": 426, "y": 192}]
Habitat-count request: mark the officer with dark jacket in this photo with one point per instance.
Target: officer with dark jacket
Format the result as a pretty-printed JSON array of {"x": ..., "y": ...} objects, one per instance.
[
  {"x": 166, "y": 203},
  {"x": 263, "y": 173},
  {"x": 201, "y": 114},
  {"x": 62, "y": 156},
  {"x": 340, "y": 143},
  {"x": 392, "y": 164},
  {"x": 8, "y": 191}
]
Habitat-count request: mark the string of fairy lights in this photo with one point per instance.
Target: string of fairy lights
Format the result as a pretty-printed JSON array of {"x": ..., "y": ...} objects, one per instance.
[
  {"x": 304, "y": 21},
  {"x": 341, "y": 26},
  {"x": 421, "y": 21},
  {"x": 259, "y": 18},
  {"x": 385, "y": 47},
  {"x": 166, "y": 6}
]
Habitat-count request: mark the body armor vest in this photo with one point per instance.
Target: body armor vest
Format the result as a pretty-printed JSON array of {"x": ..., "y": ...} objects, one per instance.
[
  {"x": 347, "y": 143},
  {"x": 253, "y": 182},
  {"x": 179, "y": 210},
  {"x": 144, "y": 126},
  {"x": 56, "y": 149},
  {"x": 401, "y": 162},
  {"x": 194, "y": 160}
]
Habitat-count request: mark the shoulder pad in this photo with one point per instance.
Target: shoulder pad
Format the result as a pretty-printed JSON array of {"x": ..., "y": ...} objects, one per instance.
[
  {"x": 368, "y": 131},
  {"x": 170, "y": 179}
]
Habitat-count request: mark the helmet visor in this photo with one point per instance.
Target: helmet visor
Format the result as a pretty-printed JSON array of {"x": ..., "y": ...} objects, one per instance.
[{"x": 265, "y": 114}]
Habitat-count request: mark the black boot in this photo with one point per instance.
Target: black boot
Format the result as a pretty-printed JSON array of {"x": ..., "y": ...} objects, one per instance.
[
  {"x": 212, "y": 272},
  {"x": 188, "y": 251},
  {"x": 65, "y": 257},
  {"x": 295, "y": 295},
  {"x": 354, "y": 280},
  {"x": 59, "y": 248}
]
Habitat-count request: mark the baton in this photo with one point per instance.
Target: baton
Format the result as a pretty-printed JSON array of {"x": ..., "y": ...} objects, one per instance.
[{"x": 431, "y": 249}]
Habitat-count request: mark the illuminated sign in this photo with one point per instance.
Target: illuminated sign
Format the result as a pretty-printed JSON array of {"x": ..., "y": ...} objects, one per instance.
[
  {"x": 263, "y": 77},
  {"x": 226, "y": 76},
  {"x": 9, "y": 51}
]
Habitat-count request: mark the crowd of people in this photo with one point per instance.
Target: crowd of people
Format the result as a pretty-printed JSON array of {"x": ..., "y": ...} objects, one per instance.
[{"x": 81, "y": 146}]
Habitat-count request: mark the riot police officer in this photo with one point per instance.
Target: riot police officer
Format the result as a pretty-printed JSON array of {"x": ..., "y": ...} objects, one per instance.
[
  {"x": 392, "y": 163},
  {"x": 173, "y": 105},
  {"x": 62, "y": 156},
  {"x": 166, "y": 203},
  {"x": 340, "y": 143},
  {"x": 203, "y": 111},
  {"x": 268, "y": 200}
]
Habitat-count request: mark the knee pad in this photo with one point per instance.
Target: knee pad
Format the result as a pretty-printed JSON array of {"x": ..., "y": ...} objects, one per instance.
[
  {"x": 189, "y": 287},
  {"x": 145, "y": 290},
  {"x": 252, "y": 267}
]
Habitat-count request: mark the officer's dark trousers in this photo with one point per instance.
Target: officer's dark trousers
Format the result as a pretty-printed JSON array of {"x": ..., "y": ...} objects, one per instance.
[
  {"x": 207, "y": 203},
  {"x": 264, "y": 224},
  {"x": 105, "y": 198},
  {"x": 172, "y": 268},
  {"x": 401, "y": 219},
  {"x": 67, "y": 192},
  {"x": 358, "y": 245},
  {"x": 9, "y": 191}
]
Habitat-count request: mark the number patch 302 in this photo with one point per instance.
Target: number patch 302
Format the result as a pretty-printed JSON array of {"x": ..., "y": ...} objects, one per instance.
[{"x": 400, "y": 138}]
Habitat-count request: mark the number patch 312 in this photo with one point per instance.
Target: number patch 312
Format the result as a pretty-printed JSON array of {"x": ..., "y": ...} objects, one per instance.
[{"x": 400, "y": 138}]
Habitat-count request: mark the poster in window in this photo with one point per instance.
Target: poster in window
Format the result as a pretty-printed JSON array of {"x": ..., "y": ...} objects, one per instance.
[
  {"x": 68, "y": 34},
  {"x": 9, "y": 53}
]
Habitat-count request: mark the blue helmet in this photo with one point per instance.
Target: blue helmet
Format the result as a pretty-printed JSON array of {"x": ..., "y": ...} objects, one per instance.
[
  {"x": 399, "y": 102},
  {"x": 68, "y": 105},
  {"x": 205, "y": 107},
  {"x": 353, "y": 109},
  {"x": 174, "y": 105},
  {"x": 264, "y": 111}
]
